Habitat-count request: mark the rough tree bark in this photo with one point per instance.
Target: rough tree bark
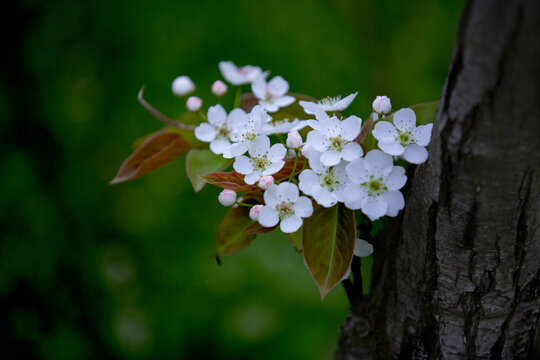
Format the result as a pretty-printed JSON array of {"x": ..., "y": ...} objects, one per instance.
[{"x": 458, "y": 273}]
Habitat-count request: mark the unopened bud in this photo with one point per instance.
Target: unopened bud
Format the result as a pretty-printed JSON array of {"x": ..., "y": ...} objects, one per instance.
[
  {"x": 219, "y": 88},
  {"x": 382, "y": 105},
  {"x": 294, "y": 140},
  {"x": 227, "y": 197},
  {"x": 266, "y": 181},
  {"x": 254, "y": 212},
  {"x": 182, "y": 85},
  {"x": 193, "y": 103}
]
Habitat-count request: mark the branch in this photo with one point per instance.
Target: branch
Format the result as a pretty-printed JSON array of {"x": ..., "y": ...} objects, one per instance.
[{"x": 160, "y": 116}]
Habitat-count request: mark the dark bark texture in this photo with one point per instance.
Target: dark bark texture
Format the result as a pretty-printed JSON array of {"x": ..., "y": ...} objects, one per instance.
[{"x": 457, "y": 275}]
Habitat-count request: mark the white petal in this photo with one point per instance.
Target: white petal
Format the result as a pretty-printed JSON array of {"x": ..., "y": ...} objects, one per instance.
[
  {"x": 284, "y": 100},
  {"x": 234, "y": 118},
  {"x": 352, "y": 151},
  {"x": 345, "y": 102},
  {"x": 331, "y": 157},
  {"x": 315, "y": 162},
  {"x": 395, "y": 202},
  {"x": 308, "y": 180},
  {"x": 273, "y": 168},
  {"x": 259, "y": 146},
  {"x": 391, "y": 147},
  {"x": 303, "y": 207},
  {"x": 290, "y": 224},
  {"x": 258, "y": 87},
  {"x": 243, "y": 165},
  {"x": 325, "y": 198},
  {"x": 218, "y": 146},
  {"x": 415, "y": 154},
  {"x": 287, "y": 191},
  {"x": 268, "y": 217},
  {"x": 314, "y": 124},
  {"x": 396, "y": 179},
  {"x": 405, "y": 119},
  {"x": 309, "y": 107},
  {"x": 350, "y": 127},
  {"x": 357, "y": 171},
  {"x": 236, "y": 149},
  {"x": 217, "y": 115},
  {"x": 277, "y": 152},
  {"x": 422, "y": 134},
  {"x": 356, "y": 195},
  {"x": 374, "y": 207},
  {"x": 270, "y": 196},
  {"x": 278, "y": 86},
  {"x": 253, "y": 177},
  {"x": 269, "y": 106},
  {"x": 378, "y": 163},
  {"x": 205, "y": 132},
  {"x": 362, "y": 248},
  {"x": 317, "y": 140},
  {"x": 331, "y": 127},
  {"x": 384, "y": 131}
]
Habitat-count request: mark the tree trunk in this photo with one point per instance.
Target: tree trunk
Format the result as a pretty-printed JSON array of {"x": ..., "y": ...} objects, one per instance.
[{"x": 457, "y": 275}]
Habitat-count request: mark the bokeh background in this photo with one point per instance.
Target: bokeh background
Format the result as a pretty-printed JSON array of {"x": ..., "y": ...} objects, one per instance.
[{"x": 92, "y": 271}]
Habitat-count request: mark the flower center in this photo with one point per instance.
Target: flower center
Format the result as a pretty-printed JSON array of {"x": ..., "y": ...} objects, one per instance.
[
  {"x": 260, "y": 163},
  {"x": 330, "y": 101},
  {"x": 223, "y": 132},
  {"x": 336, "y": 143},
  {"x": 268, "y": 95},
  {"x": 405, "y": 138},
  {"x": 375, "y": 186},
  {"x": 328, "y": 180},
  {"x": 285, "y": 209}
]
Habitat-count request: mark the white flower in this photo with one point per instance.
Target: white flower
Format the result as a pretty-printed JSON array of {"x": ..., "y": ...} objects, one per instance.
[
  {"x": 182, "y": 85},
  {"x": 375, "y": 185},
  {"x": 283, "y": 126},
  {"x": 227, "y": 197},
  {"x": 362, "y": 248},
  {"x": 404, "y": 138},
  {"x": 238, "y": 75},
  {"x": 254, "y": 212},
  {"x": 335, "y": 103},
  {"x": 264, "y": 160},
  {"x": 246, "y": 130},
  {"x": 294, "y": 140},
  {"x": 219, "y": 88},
  {"x": 284, "y": 204},
  {"x": 218, "y": 128},
  {"x": 382, "y": 105},
  {"x": 334, "y": 138},
  {"x": 325, "y": 184},
  {"x": 194, "y": 103},
  {"x": 271, "y": 95},
  {"x": 266, "y": 181}
]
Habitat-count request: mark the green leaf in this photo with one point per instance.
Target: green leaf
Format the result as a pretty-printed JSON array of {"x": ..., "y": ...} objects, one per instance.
[
  {"x": 328, "y": 238},
  {"x": 296, "y": 239},
  {"x": 366, "y": 263},
  {"x": 425, "y": 112},
  {"x": 201, "y": 162},
  {"x": 231, "y": 236},
  {"x": 154, "y": 152}
]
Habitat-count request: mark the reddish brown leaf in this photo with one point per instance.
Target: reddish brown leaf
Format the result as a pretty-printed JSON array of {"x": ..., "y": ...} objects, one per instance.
[
  {"x": 231, "y": 237},
  {"x": 229, "y": 180},
  {"x": 285, "y": 171},
  {"x": 257, "y": 228},
  {"x": 157, "y": 150}
]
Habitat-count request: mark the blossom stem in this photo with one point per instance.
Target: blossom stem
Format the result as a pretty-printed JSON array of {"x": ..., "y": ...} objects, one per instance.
[
  {"x": 245, "y": 204},
  {"x": 294, "y": 166},
  {"x": 160, "y": 116},
  {"x": 202, "y": 115},
  {"x": 237, "y": 97}
]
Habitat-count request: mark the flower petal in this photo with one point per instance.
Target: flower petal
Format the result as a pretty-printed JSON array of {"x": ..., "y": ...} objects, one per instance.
[
  {"x": 357, "y": 171},
  {"x": 287, "y": 191},
  {"x": 391, "y": 147},
  {"x": 234, "y": 118},
  {"x": 356, "y": 194},
  {"x": 374, "y": 207},
  {"x": 284, "y": 100},
  {"x": 277, "y": 152},
  {"x": 270, "y": 196},
  {"x": 269, "y": 105},
  {"x": 396, "y": 179},
  {"x": 268, "y": 216},
  {"x": 205, "y": 132},
  {"x": 308, "y": 181},
  {"x": 218, "y": 146},
  {"x": 378, "y": 163},
  {"x": 217, "y": 115},
  {"x": 258, "y": 86},
  {"x": 422, "y": 134},
  {"x": 273, "y": 168},
  {"x": 253, "y": 177},
  {"x": 277, "y": 86},
  {"x": 242, "y": 164},
  {"x": 303, "y": 207},
  {"x": 317, "y": 140},
  {"x": 259, "y": 146},
  {"x": 395, "y": 202},
  {"x": 290, "y": 224},
  {"x": 325, "y": 198},
  {"x": 236, "y": 149},
  {"x": 350, "y": 127},
  {"x": 352, "y": 151},
  {"x": 331, "y": 127},
  {"x": 309, "y": 107},
  {"x": 345, "y": 102},
  {"x": 385, "y": 131},
  {"x": 415, "y": 154},
  {"x": 362, "y": 248},
  {"x": 405, "y": 119},
  {"x": 331, "y": 157}
]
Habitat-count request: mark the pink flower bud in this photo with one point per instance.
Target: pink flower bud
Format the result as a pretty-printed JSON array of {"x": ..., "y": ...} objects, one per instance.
[
  {"x": 382, "y": 105},
  {"x": 182, "y": 85},
  {"x": 193, "y": 103},
  {"x": 219, "y": 88},
  {"x": 306, "y": 150},
  {"x": 254, "y": 212},
  {"x": 294, "y": 140},
  {"x": 227, "y": 197},
  {"x": 266, "y": 181}
]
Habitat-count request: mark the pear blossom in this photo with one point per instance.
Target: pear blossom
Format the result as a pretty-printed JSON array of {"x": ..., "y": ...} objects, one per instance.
[
  {"x": 326, "y": 184},
  {"x": 404, "y": 137},
  {"x": 194, "y": 103},
  {"x": 255, "y": 211},
  {"x": 266, "y": 181},
  {"x": 227, "y": 197},
  {"x": 294, "y": 140},
  {"x": 238, "y": 75},
  {"x": 264, "y": 160},
  {"x": 362, "y": 248},
  {"x": 218, "y": 128},
  {"x": 334, "y": 138},
  {"x": 182, "y": 85},
  {"x": 382, "y": 105},
  {"x": 284, "y": 206},
  {"x": 329, "y": 104},
  {"x": 283, "y": 126},
  {"x": 271, "y": 95},
  {"x": 375, "y": 185},
  {"x": 246, "y": 130},
  {"x": 219, "y": 88}
]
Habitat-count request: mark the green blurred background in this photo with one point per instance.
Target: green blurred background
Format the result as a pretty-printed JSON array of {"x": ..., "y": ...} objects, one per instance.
[{"x": 92, "y": 271}]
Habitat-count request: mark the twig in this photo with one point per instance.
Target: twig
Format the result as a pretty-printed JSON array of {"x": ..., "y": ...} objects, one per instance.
[{"x": 160, "y": 116}]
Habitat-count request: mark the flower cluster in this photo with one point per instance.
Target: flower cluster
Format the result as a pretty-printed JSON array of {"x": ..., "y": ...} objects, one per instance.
[{"x": 336, "y": 170}]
